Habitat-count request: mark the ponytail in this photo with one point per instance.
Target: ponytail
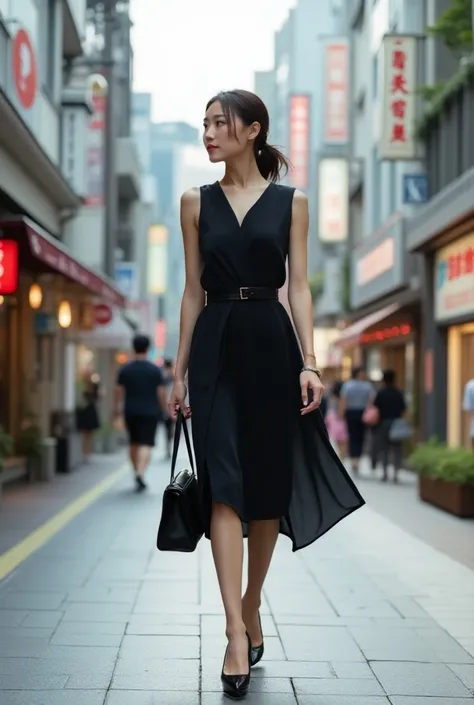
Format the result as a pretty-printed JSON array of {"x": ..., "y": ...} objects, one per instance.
[{"x": 271, "y": 162}]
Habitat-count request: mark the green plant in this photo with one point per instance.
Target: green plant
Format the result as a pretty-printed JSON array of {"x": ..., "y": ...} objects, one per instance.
[
  {"x": 6, "y": 446},
  {"x": 438, "y": 461},
  {"x": 454, "y": 27},
  {"x": 28, "y": 443},
  {"x": 316, "y": 285}
]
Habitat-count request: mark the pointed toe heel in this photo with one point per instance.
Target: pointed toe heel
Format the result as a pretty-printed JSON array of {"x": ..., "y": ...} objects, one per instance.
[
  {"x": 236, "y": 687},
  {"x": 257, "y": 651}
]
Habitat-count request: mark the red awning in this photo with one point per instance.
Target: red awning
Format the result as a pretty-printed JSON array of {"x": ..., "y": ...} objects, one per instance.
[
  {"x": 45, "y": 253},
  {"x": 351, "y": 334}
]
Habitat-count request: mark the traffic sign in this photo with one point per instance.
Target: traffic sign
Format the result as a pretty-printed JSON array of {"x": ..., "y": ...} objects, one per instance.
[
  {"x": 415, "y": 188},
  {"x": 126, "y": 278},
  {"x": 102, "y": 314}
]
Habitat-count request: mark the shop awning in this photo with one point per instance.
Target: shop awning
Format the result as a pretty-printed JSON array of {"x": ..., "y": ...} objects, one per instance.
[
  {"x": 351, "y": 334},
  {"x": 115, "y": 335},
  {"x": 39, "y": 251}
]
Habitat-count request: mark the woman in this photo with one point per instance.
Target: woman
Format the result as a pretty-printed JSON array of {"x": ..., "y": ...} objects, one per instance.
[
  {"x": 337, "y": 427},
  {"x": 391, "y": 405},
  {"x": 356, "y": 394},
  {"x": 265, "y": 462},
  {"x": 88, "y": 416}
]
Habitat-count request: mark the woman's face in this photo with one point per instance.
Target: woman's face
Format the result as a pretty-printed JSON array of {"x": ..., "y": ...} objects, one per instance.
[{"x": 219, "y": 138}]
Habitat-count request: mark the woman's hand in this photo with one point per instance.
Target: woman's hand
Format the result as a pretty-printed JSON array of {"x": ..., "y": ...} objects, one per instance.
[
  {"x": 310, "y": 381},
  {"x": 177, "y": 401}
]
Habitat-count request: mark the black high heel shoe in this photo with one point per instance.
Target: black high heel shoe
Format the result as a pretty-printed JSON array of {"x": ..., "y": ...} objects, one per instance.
[
  {"x": 236, "y": 687},
  {"x": 257, "y": 651}
]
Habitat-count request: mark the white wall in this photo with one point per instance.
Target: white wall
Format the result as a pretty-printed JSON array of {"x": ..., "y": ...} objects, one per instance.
[{"x": 84, "y": 235}]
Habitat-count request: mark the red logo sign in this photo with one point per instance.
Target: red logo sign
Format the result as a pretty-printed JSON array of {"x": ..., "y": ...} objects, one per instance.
[
  {"x": 25, "y": 73},
  {"x": 8, "y": 267},
  {"x": 102, "y": 314}
]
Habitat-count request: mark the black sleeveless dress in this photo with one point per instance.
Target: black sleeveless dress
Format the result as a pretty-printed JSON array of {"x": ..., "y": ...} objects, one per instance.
[{"x": 254, "y": 450}]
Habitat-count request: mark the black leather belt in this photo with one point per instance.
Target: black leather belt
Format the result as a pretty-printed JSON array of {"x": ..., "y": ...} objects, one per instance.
[{"x": 243, "y": 293}]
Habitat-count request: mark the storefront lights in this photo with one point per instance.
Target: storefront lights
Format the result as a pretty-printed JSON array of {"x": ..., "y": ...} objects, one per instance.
[
  {"x": 64, "y": 314},
  {"x": 2, "y": 299},
  {"x": 35, "y": 296}
]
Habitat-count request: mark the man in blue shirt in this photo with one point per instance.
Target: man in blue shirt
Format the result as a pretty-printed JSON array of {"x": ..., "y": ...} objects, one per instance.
[{"x": 141, "y": 397}]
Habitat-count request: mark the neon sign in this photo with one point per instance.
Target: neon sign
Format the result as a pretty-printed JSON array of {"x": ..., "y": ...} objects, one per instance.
[{"x": 379, "y": 336}]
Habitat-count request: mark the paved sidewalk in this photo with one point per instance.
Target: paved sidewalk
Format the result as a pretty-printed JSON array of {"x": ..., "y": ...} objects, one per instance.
[{"x": 369, "y": 615}]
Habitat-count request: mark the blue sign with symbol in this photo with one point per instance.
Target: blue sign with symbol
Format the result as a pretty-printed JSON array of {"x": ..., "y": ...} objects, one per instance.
[
  {"x": 415, "y": 188},
  {"x": 126, "y": 278}
]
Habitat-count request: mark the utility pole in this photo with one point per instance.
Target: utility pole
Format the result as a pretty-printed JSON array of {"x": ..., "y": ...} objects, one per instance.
[{"x": 110, "y": 171}]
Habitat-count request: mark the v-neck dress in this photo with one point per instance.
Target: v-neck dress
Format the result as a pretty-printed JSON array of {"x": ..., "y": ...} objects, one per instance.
[{"x": 254, "y": 451}]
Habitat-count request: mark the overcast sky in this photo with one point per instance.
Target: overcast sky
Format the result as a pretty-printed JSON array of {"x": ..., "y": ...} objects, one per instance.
[{"x": 187, "y": 50}]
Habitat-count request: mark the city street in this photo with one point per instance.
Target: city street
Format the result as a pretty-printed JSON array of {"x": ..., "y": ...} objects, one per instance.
[{"x": 369, "y": 615}]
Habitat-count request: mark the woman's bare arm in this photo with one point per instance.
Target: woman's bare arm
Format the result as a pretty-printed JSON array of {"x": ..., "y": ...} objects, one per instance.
[
  {"x": 299, "y": 294},
  {"x": 193, "y": 297}
]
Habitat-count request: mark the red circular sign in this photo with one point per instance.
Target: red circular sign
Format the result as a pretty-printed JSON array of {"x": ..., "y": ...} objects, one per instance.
[
  {"x": 103, "y": 314},
  {"x": 25, "y": 73}
]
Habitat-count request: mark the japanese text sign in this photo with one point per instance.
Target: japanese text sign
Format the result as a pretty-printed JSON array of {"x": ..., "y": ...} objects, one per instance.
[
  {"x": 299, "y": 141},
  {"x": 454, "y": 279},
  {"x": 333, "y": 210},
  {"x": 336, "y": 95},
  {"x": 398, "y": 96}
]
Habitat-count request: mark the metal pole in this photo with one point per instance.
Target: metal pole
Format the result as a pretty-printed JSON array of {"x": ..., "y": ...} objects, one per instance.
[{"x": 110, "y": 171}]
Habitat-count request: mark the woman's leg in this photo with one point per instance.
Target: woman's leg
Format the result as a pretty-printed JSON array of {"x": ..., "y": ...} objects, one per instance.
[
  {"x": 228, "y": 552},
  {"x": 262, "y": 538}
]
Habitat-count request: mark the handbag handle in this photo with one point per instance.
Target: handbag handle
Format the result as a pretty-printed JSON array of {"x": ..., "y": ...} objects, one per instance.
[{"x": 180, "y": 424}]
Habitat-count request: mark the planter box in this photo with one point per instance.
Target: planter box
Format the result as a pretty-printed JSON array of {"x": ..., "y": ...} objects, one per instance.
[{"x": 455, "y": 499}]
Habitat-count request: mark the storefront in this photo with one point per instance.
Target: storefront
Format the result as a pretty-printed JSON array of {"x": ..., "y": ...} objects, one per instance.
[
  {"x": 453, "y": 280},
  {"x": 385, "y": 301},
  {"x": 47, "y": 300}
]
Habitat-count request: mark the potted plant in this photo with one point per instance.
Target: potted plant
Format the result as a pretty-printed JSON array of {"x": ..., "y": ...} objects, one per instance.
[
  {"x": 29, "y": 445},
  {"x": 446, "y": 477}
]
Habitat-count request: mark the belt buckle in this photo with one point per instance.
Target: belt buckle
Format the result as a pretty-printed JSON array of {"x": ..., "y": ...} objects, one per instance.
[{"x": 243, "y": 297}]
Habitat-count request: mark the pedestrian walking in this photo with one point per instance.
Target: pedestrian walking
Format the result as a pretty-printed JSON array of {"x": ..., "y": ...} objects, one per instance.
[
  {"x": 391, "y": 405},
  {"x": 141, "y": 398},
  {"x": 265, "y": 462},
  {"x": 356, "y": 394},
  {"x": 87, "y": 415},
  {"x": 336, "y": 424}
]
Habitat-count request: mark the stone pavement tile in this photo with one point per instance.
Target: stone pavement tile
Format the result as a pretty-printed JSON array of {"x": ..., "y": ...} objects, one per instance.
[
  {"x": 84, "y": 654},
  {"x": 6, "y": 698},
  {"x": 320, "y": 621},
  {"x": 383, "y": 644},
  {"x": 408, "y": 623},
  {"x": 12, "y": 618},
  {"x": 92, "y": 640},
  {"x": 214, "y": 625},
  {"x": 22, "y": 647},
  {"x": 60, "y": 697},
  {"x": 32, "y": 600},
  {"x": 213, "y": 647},
  {"x": 402, "y": 700},
  {"x": 42, "y": 619},
  {"x": 77, "y": 612},
  {"x": 319, "y": 644},
  {"x": 276, "y": 669},
  {"x": 465, "y": 673},
  {"x": 337, "y": 686},
  {"x": 8, "y": 633},
  {"x": 135, "y": 697},
  {"x": 252, "y": 699},
  {"x": 111, "y": 628},
  {"x": 89, "y": 681},
  {"x": 351, "y": 670},
  {"x": 343, "y": 700},
  {"x": 420, "y": 679},
  {"x": 164, "y": 624},
  {"x": 166, "y": 647},
  {"x": 152, "y": 681},
  {"x": 408, "y": 607},
  {"x": 446, "y": 648},
  {"x": 458, "y": 628},
  {"x": 142, "y": 666},
  {"x": 176, "y": 591},
  {"x": 99, "y": 593},
  {"x": 29, "y": 681},
  {"x": 257, "y": 685}
]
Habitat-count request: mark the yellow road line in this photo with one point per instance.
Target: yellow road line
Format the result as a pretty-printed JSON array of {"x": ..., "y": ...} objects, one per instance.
[{"x": 24, "y": 549}]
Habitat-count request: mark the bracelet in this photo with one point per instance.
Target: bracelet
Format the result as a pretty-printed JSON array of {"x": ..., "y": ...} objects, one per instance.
[{"x": 309, "y": 368}]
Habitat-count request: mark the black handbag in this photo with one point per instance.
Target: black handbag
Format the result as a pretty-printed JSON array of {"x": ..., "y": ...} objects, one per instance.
[{"x": 181, "y": 525}]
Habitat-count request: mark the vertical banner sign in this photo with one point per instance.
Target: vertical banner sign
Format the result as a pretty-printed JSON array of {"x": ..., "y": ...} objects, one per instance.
[
  {"x": 157, "y": 259},
  {"x": 398, "y": 95},
  {"x": 333, "y": 206},
  {"x": 299, "y": 141},
  {"x": 336, "y": 93},
  {"x": 95, "y": 142}
]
